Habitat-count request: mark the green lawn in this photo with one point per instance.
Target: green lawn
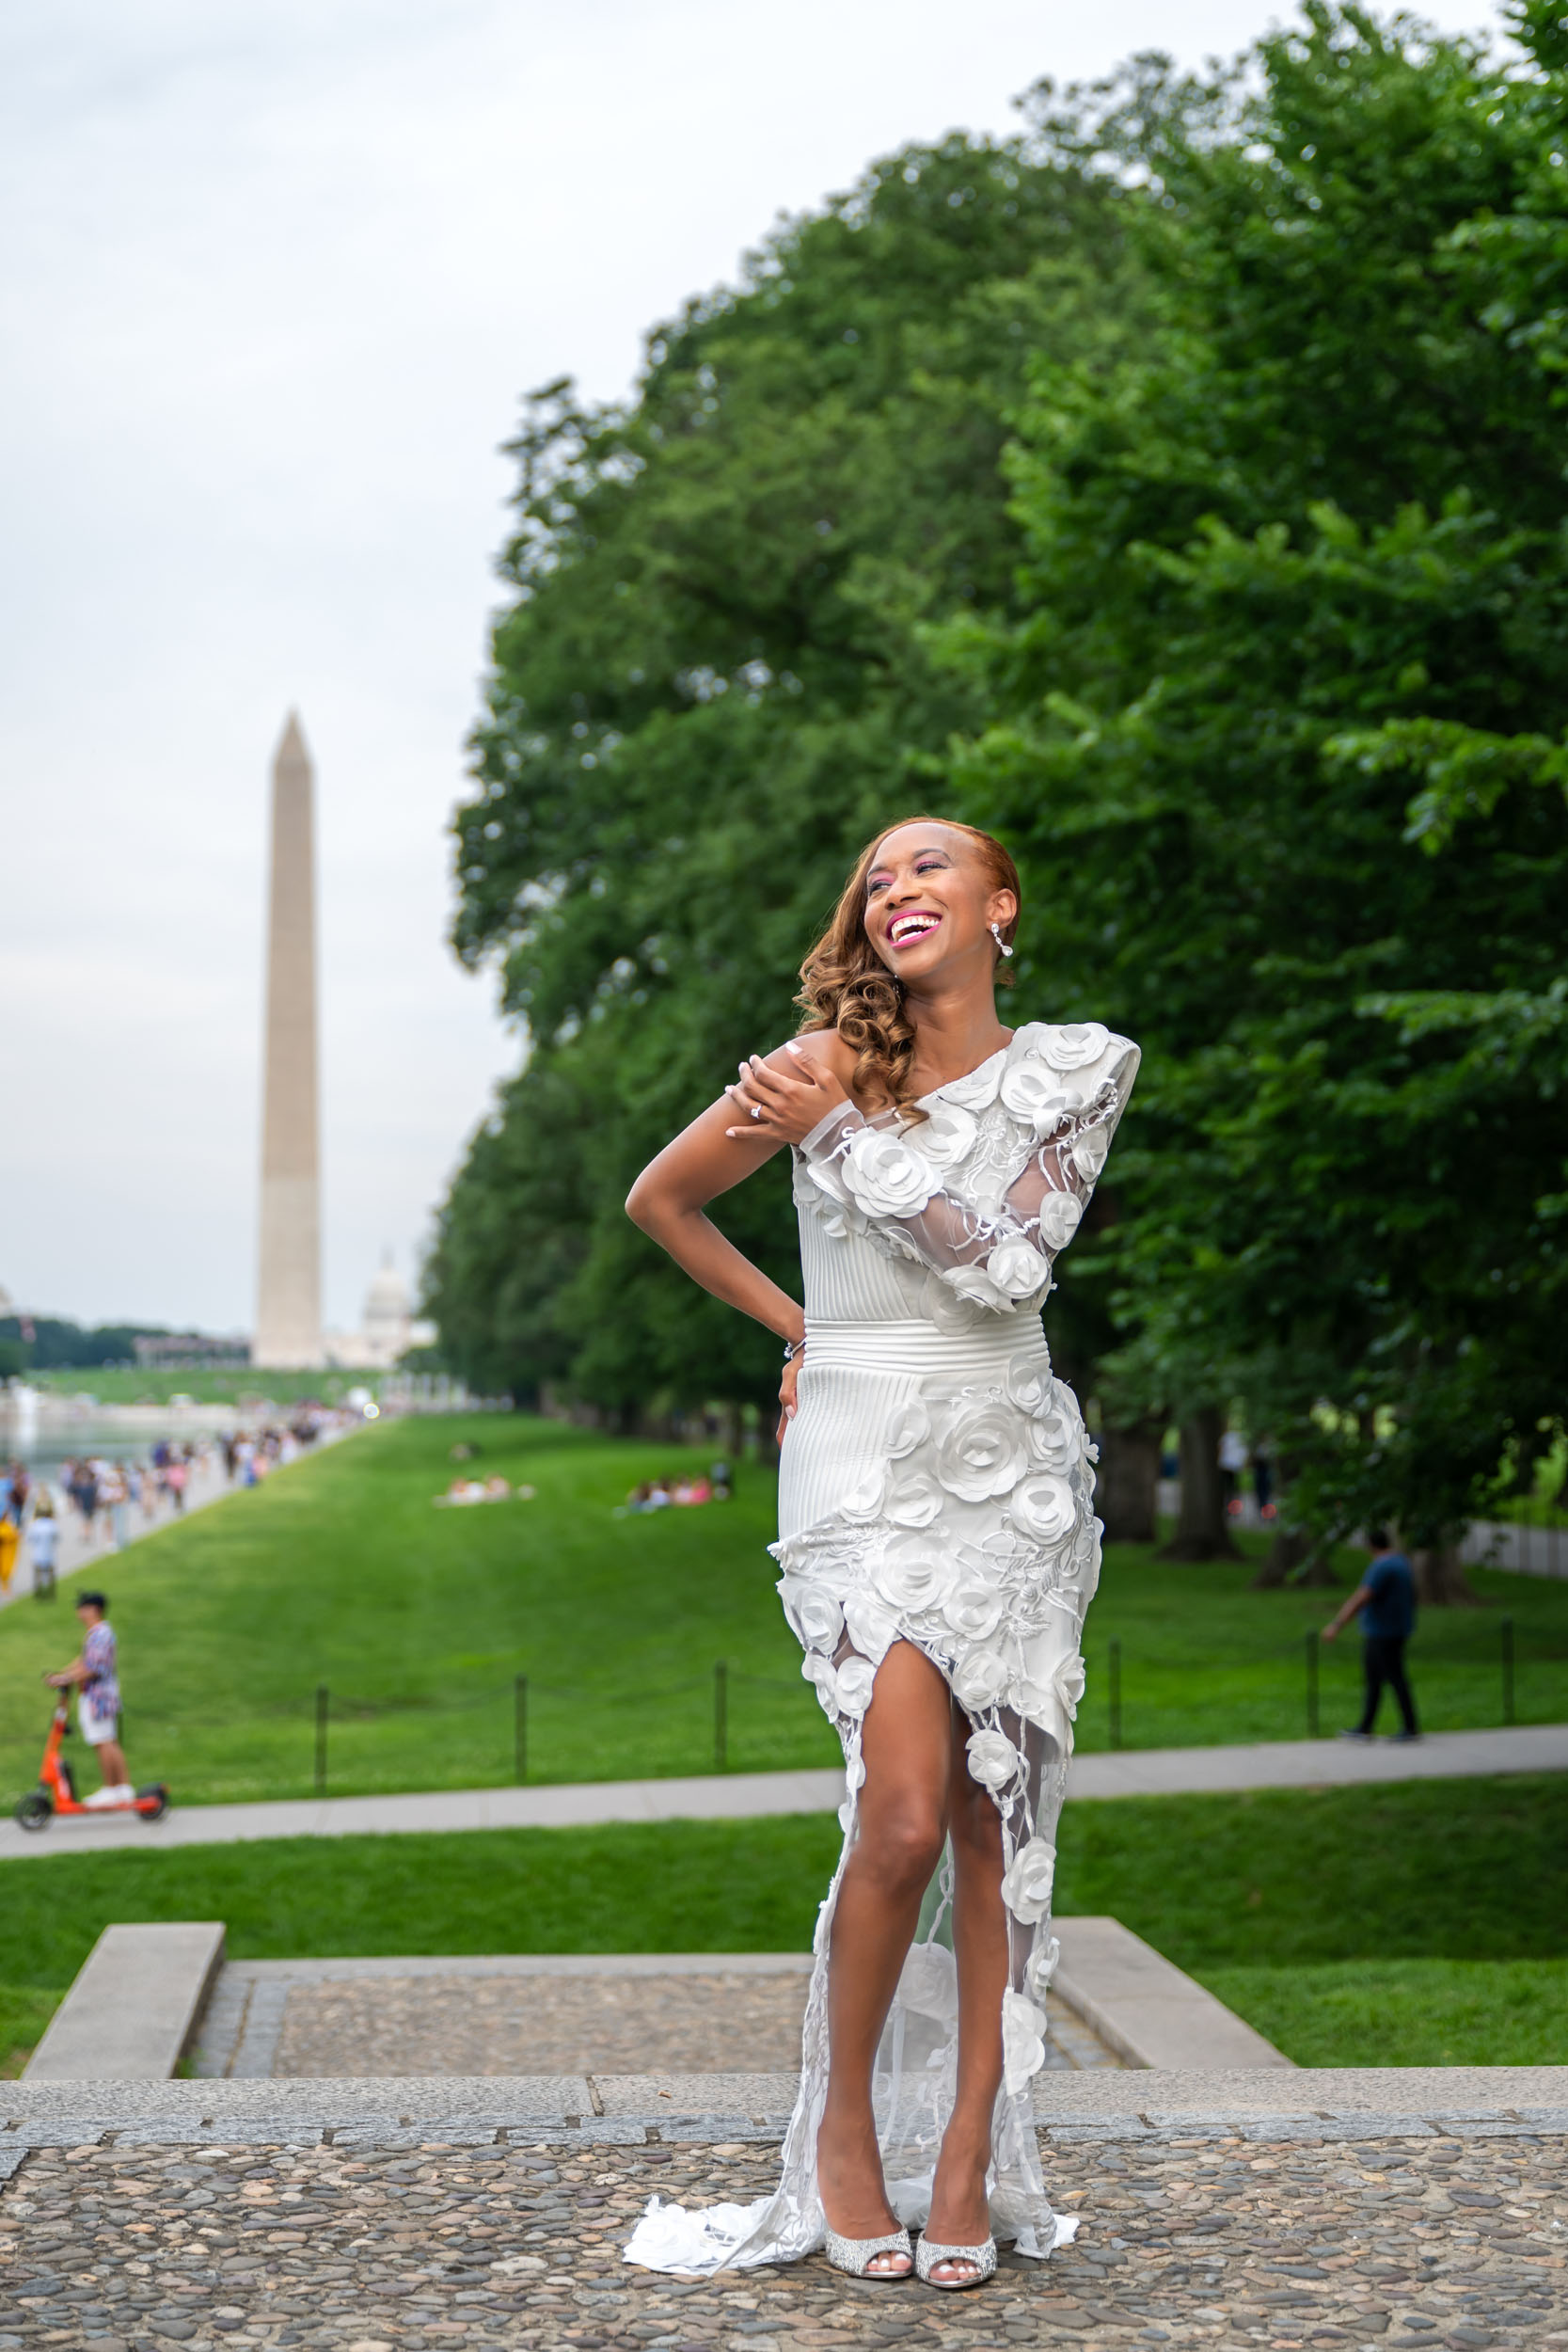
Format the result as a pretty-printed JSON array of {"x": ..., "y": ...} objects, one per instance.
[
  {"x": 1205, "y": 1659},
  {"x": 24, "y": 2012},
  {"x": 342, "y": 1571},
  {"x": 1406, "y": 2013},
  {"x": 1416, "y": 1924}
]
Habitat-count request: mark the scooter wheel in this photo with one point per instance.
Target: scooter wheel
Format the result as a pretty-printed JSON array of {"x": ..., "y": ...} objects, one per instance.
[
  {"x": 152, "y": 1801},
  {"x": 34, "y": 1811}
]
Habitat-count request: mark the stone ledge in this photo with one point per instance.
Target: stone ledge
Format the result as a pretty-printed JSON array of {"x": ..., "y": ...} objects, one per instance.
[
  {"x": 1144, "y": 2009},
  {"x": 134, "y": 2007},
  {"x": 1304, "y": 2103},
  {"x": 524, "y": 1964}
]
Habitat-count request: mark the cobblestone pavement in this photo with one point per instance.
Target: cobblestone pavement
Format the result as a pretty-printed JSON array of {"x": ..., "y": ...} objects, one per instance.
[
  {"x": 1211, "y": 2237},
  {"x": 379, "y": 2026},
  {"x": 576, "y": 2024}
]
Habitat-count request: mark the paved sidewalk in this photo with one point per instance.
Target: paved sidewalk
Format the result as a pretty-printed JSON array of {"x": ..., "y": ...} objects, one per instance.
[
  {"x": 743, "y": 1796},
  {"x": 1322, "y": 1763},
  {"x": 734, "y": 1796},
  {"x": 1394, "y": 2210}
]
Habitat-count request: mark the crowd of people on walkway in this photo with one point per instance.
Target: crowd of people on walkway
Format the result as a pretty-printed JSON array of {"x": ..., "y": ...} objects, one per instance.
[
  {"x": 109, "y": 1497},
  {"x": 111, "y": 1500}
]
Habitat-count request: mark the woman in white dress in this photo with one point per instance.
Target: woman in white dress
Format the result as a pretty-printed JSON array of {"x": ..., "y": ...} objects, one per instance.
[{"x": 938, "y": 1544}]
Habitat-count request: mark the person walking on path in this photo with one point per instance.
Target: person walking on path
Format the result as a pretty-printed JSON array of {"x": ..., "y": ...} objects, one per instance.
[
  {"x": 94, "y": 1674},
  {"x": 938, "y": 1543},
  {"x": 43, "y": 1545},
  {"x": 117, "y": 1503},
  {"x": 1385, "y": 1602}
]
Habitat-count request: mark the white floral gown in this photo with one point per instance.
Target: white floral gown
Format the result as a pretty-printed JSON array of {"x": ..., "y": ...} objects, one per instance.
[{"x": 936, "y": 1488}]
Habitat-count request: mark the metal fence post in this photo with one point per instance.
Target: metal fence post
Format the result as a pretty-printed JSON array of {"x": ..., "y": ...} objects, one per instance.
[
  {"x": 519, "y": 1728},
  {"x": 321, "y": 1739},
  {"x": 721, "y": 1715},
  {"x": 1116, "y": 1694},
  {"x": 1312, "y": 1641},
  {"x": 1506, "y": 1630}
]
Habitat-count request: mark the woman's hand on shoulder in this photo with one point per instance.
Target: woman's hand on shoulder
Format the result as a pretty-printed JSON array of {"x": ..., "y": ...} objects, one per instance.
[{"x": 785, "y": 1097}]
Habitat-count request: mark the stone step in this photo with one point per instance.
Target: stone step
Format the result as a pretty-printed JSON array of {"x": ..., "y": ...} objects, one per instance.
[
  {"x": 1147, "y": 2011},
  {"x": 134, "y": 2006}
]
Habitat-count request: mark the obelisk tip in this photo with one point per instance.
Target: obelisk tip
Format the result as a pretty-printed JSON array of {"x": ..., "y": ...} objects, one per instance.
[{"x": 292, "y": 747}]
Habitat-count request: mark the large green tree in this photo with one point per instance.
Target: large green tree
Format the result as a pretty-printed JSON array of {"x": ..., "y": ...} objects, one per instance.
[
  {"x": 1280, "y": 732},
  {"x": 710, "y": 684}
]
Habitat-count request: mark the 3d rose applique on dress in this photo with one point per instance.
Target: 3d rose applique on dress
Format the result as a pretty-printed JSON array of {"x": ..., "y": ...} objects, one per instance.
[{"x": 943, "y": 1496}]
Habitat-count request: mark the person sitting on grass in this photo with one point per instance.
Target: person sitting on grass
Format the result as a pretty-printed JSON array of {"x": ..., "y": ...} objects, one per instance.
[
  {"x": 1386, "y": 1601},
  {"x": 97, "y": 1683}
]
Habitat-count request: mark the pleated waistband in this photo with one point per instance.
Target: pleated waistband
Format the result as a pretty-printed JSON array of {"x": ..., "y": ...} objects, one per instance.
[{"x": 919, "y": 1347}]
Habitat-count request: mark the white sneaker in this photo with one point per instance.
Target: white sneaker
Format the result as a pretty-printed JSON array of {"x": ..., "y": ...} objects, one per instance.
[{"x": 99, "y": 1799}]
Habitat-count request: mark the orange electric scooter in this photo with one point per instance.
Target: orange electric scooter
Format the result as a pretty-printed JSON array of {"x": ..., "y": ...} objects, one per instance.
[{"x": 56, "y": 1789}]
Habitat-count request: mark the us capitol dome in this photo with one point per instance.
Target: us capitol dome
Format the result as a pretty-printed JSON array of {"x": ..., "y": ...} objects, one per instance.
[{"x": 388, "y": 1326}]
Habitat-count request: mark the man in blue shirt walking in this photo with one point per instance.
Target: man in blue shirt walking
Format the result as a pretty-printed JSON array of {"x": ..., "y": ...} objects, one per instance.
[{"x": 1386, "y": 1601}]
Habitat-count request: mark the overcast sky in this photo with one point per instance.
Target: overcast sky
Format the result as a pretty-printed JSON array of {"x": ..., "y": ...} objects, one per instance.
[{"x": 278, "y": 270}]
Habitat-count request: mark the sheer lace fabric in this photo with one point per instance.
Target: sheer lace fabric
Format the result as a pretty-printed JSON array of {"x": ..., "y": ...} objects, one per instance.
[{"x": 937, "y": 1488}]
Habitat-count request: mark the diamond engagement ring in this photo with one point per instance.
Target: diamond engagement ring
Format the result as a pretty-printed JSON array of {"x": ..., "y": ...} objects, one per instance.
[{"x": 756, "y": 1110}]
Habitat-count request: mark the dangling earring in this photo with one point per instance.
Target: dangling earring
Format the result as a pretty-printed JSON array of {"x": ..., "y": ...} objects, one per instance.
[{"x": 996, "y": 934}]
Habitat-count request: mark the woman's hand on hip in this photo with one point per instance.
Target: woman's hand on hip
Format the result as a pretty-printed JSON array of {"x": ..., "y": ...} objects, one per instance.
[
  {"x": 783, "y": 1105},
  {"x": 787, "y": 1394}
]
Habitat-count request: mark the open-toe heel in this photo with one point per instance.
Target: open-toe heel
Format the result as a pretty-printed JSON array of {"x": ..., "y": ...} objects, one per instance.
[
  {"x": 981, "y": 2259},
  {"x": 855, "y": 2255}
]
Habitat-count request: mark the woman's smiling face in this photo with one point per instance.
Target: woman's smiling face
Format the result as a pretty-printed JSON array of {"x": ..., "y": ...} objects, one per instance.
[{"x": 929, "y": 899}]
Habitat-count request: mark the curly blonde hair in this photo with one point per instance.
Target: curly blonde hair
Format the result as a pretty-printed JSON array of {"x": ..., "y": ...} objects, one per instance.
[{"x": 845, "y": 986}]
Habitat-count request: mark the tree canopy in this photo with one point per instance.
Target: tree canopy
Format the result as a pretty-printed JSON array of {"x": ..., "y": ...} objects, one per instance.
[
  {"x": 1278, "y": 733},
  {"x": 1178, "y": 490},
  {"x": 711, "y": 685}
]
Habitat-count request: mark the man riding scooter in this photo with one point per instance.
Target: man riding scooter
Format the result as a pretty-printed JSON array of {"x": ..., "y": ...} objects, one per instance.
[{"x": 98, "y": 1699}]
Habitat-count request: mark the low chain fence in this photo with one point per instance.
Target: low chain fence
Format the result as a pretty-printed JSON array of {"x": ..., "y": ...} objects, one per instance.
[{"x": 1468, "y": 1664}]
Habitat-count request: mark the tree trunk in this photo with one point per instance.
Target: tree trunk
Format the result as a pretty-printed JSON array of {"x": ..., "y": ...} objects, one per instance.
[
  {"x": 1286, "y": 1553},
  {"x": 1129, "y": 1474},
  {"x": 731, "y": 1433},
  {"x": 768, "y": 1440},
  {"x": 1294, "y": 1559},
  {"x": 1201, "y": 1532},
  {"x": 1441, "y": 1581}
]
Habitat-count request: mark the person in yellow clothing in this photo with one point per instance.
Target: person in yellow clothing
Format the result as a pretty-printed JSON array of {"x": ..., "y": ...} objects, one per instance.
[{"x": 10, "y": 1525}]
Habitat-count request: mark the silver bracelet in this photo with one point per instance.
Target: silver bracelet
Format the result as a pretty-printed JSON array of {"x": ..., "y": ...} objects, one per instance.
[{"x": 793, "y": 1347}]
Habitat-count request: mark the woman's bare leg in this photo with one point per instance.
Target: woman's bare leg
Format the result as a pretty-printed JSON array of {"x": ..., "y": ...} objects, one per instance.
[
  {"x": 902, "y": 1823},
  {"x": 959, "y": 2215}
]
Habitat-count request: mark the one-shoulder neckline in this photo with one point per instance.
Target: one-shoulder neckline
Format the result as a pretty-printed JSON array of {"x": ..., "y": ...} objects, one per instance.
[
  {"x": 963, "y": 1078},
  {"x": 964, "y": 1075}
]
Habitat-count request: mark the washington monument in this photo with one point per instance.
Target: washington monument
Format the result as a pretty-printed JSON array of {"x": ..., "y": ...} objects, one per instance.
[{"x": 288, "y": 1298}]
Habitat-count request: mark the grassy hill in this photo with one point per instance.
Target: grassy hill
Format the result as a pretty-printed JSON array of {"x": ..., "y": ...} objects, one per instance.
[{"x": 341, "y": 1570}]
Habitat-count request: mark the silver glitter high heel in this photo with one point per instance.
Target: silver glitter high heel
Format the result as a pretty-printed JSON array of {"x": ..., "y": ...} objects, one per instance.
[
  {"x": 982, "y": 2260},
  {"x": 855, "y": 2255}
]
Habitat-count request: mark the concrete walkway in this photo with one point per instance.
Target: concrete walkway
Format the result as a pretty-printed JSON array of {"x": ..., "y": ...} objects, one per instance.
[
  {"x": 743, "y": 1796},
  {"x": 1322, "y": 1763}
]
